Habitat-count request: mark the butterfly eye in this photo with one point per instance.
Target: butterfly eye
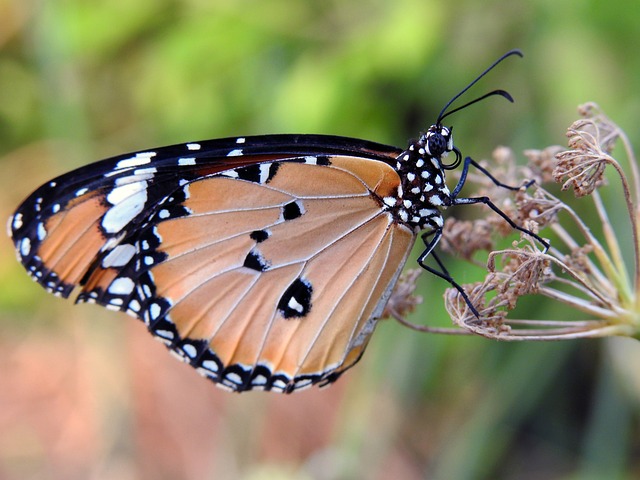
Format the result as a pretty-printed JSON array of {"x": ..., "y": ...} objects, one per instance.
[{"x": 438, "y": 141}]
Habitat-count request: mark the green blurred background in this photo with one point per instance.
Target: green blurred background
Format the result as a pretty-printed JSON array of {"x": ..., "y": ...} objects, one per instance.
[{"x": 86, "y": 393}]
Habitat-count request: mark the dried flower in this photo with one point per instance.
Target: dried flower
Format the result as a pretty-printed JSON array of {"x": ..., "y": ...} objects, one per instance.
[
  {"x": 579, "y": 270},
  {"x": 542, "y": 163},
  {"x": 402, "y": 300},
  {"x": 463, "y": 238}
]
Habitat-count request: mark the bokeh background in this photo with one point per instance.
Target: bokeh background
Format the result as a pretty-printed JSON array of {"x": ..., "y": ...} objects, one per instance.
[{"x": 86, "y": 393}]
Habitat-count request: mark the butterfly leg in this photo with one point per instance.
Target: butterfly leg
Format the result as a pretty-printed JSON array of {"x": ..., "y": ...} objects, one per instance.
[
  {"x": 455, "y": 200},
  {"x": 465, "y": 170},
  {"x": 443, "y": 273}
]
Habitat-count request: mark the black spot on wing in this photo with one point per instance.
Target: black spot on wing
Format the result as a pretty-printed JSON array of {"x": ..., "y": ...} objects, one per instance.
[
  {"x": 250, "y": 173},
  {"x": 296, "y": 300},
  {"x": 292, "y": 211},
  {"x": 322, "y": 160},
  {"x": 260, "y": 173},
  {"x": 259, "y": 235},
  {"x": 255, "y": 261}
]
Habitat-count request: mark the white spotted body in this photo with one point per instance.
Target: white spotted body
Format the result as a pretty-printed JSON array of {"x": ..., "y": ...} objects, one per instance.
[{"x": 424, "y": 191}]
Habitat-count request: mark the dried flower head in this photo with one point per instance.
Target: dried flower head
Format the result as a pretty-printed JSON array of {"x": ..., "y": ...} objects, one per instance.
[
  {"x": 538, "y": 207},
  {"x": 463, "y": 238},
  {"x": 402, "y": 300},
  {"x": 579, "y": 270},
  {"x": 591, "y": 140},
  {"x": 542, "y": 163}
]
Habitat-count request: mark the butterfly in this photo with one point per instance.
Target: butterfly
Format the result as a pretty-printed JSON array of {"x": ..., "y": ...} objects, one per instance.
[{"x": 264, "y": 262}]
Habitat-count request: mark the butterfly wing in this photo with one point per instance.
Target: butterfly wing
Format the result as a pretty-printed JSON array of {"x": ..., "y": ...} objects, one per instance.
[{"x": 264, "y": 262}]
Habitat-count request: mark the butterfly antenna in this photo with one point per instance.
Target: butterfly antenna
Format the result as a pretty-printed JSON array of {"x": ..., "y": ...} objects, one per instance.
[{"x": 501, "y": 93}]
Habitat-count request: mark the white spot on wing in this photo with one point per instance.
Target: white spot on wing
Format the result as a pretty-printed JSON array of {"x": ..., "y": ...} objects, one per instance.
[
  {"x": 141, "y": 158},
  {"x": 154, "y": 311},
  {"x": 235, "y": 153},
  {"x": 279, "y": 384},
  {"x": 230, "y": 174},
  {"x": 121, "y": 286},
  {"x": 119, "y": 256},
  {"x": 187, "y": 161},
  {"x": 193, "y": 146},
  {"x": 264, "y": 172},
  {"x": 240, "y": 140},
  {"x": 128, "y": 201},
  {"x": 121, "y": 193},
  {"x": 190, "y": 350},
  {"x": 168, "y": 334},
  {"x": 210, "y": 365},
  {"x": 234, "y": 378},
  {"x": 303, "y": 384},
  {"x": 17, "y": 221},
  {"x": 295, "y": 305},
  {"x": 25, "y": 246},
  {"x": 146, "y": 172},
  {"x": 42, "y": 232}
]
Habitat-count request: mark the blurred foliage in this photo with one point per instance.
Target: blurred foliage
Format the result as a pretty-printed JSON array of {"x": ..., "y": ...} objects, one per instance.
[{"x": 84, "y": 394}]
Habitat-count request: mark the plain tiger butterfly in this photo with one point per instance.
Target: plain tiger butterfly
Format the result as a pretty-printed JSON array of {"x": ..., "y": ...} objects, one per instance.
[{"x": 264, "y": 262}]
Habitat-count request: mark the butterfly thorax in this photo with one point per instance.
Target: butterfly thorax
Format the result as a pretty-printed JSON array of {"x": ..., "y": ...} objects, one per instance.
[{"x": 423, "y": 191}]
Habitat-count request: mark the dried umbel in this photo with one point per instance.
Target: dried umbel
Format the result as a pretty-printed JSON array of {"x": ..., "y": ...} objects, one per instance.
[
  {"x": 402, "y": 300},
  {"x": 580, "y": 270}
]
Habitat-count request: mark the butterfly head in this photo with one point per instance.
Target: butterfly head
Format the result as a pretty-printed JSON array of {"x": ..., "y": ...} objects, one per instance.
[{"x": 438, "y": 142}]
